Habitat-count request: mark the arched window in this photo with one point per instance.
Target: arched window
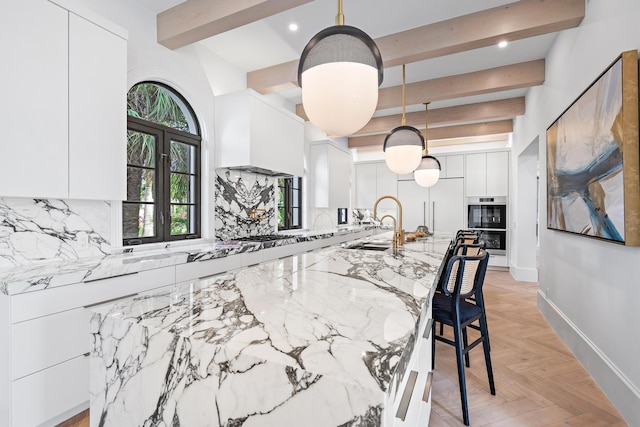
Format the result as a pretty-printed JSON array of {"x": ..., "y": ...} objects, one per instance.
[{"x": 163, "y": 167}]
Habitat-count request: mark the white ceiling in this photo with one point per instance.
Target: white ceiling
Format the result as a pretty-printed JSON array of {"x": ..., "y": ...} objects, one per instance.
[{"x": 269, "y": 41}]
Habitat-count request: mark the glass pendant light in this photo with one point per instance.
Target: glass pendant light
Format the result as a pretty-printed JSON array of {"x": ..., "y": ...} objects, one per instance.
[
  {"x": 340, "y": 70},
  {"x": 428, "y": 173},
  {"x": 403, "y": 145}
]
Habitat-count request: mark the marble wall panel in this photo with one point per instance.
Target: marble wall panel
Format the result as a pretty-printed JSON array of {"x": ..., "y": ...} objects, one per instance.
[
  {"x": 40, "y": 230},
  {"x": 237, "y": 193}
]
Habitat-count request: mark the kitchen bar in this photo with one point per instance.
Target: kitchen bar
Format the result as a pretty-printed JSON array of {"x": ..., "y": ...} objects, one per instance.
[{"x": 324, "y": 338}]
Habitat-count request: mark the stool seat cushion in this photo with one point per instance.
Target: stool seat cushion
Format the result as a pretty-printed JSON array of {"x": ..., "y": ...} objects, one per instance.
[{"x": 442, "y": 309}]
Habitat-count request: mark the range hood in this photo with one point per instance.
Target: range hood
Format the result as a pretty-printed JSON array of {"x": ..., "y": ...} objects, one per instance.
[
  {"x": 254, "y": 134},
  {"x": 259, "y": 170}
]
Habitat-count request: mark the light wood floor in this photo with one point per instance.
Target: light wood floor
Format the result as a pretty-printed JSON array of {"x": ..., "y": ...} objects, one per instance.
[{"x": 538, "y": 381}]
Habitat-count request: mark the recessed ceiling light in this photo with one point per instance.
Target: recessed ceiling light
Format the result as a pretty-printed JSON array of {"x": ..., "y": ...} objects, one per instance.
[
  {"x": 503, "y": 43},
  {"x": 293, "y": 27}
]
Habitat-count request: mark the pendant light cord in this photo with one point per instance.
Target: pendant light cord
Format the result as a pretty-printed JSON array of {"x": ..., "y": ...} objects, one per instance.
[
  {"x": 404, "y": 99},
  {"x": 340, "y": 15},
  {"x": 426, "y": 128}
]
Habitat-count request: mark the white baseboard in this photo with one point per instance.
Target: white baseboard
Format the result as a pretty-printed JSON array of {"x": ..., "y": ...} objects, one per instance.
[
  {"x": 620, "y": 391},
  {"x": 524, "y": 274}
]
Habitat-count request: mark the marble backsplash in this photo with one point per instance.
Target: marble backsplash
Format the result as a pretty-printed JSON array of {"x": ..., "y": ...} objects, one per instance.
[
  {"x": 238, "y": 193},
  {"x": 41, "y": 230}
]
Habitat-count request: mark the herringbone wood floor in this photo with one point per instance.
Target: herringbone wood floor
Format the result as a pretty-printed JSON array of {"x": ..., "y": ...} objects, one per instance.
[{"x": 538, "y": 381}]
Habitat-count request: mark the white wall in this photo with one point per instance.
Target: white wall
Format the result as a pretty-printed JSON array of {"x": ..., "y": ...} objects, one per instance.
[{"x": 589, "y": 289}]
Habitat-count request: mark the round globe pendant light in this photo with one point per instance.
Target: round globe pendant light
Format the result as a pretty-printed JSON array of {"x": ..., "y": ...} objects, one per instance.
[
  {"x": 339, "y": 72},
  {"x": 403, "y": 145},
  {"x": 428, "y": 172}
]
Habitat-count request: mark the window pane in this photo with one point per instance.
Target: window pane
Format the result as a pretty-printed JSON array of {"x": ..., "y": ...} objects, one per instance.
[
  {"x": 295, "y": 217},
  {"x": 140, "y": 184},
  {"x": 183, "y": 219},
  {"x": 141, "y": 149},
  {"x": 138, "y": 220},
  {"x": 158, "y": 104},
  {"x": 280, "y": 217},
  {"x": 295, "y": 198},
  {"x": 183, "y": 188},
  {"x": 183, "y": 157},
  {"x": 280, "y": 197}
]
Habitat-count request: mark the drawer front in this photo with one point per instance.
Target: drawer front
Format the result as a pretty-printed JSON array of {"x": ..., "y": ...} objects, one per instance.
[
  {"x": 46, "y": 341},
  {"x": 36, "y": 304},
  {"x": 251, "y": 258},
  {"x": 46, "y": 394},
  {"x": 199, "y": 269}
]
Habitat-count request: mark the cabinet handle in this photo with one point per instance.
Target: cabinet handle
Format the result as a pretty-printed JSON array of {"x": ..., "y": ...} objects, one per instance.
[
  {"x": 403, "y": 408},
  {"x": 110, "y": 300},
  {"x": 427, "y": 388},
  {"x": 87, "y": 354},
  {"x": 433, "y": 217},
  {"x": 427, "y": 330},
  {"x": 110, "y": 277}
]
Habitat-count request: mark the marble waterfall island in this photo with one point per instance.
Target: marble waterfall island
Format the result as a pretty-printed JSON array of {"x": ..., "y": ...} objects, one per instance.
[{"x": 318, "y": 339}]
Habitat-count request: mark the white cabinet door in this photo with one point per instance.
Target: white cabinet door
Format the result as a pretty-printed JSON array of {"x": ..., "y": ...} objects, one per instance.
[
  {"x": 498, "y": 174},
  {"x": 97, "y": 112},
  {"x": 387, "y": 181},
  {"x": 447, "y": 205},
  {"x": 476, "y": 174},
  {"x": 455, "y": 166},
  {"x": 34, "y": 91},
  {"x": 366, "y": 186},
  {"x": 415, "y": 200},
  {"x": 339, "y": 178},
  {"x": 329, "y": 176}
]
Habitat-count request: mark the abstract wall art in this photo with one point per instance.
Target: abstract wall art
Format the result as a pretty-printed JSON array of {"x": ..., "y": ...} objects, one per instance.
[{"x": 593, "y": 182}]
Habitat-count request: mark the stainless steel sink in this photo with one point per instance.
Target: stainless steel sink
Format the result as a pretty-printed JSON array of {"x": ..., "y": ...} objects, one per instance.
[{"x": 371, "y": 246}]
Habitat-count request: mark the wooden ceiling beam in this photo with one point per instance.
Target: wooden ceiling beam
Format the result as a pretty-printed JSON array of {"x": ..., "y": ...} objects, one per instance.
[
  {"x": 447, "y": 132},
  {"x": 195, "y": 20},
  {"x": 513, "y": 21},
  {"x": 481, "y": 111},
  {"x": 515, "y": 76}
]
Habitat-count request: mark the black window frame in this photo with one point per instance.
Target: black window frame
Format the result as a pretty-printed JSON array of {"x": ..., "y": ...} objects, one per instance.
[
  {"x": 162, "y": 200},
  {"x": 288, "y": 186}
]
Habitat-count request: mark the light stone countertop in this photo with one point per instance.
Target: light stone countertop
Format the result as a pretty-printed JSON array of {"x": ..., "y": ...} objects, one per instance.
[
  {"x": 44, "y": 275},
  {"x": 317, "y": 339}
]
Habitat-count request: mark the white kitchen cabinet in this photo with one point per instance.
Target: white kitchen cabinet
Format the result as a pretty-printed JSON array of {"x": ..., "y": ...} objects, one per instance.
[
  {"x": 329, "y": 172},
  {"x": 39, "y": 397},
  {"x": 440, "y": 207},
  {"x": 487, "y": 174},
  {"x": 447, "y": 206},
  {"x": 97, "y": 105},
  {"x": 67, "y": 133},
  {"x": 498, "y": 174},
  {"x": 454, "y": 166},
  {"x": 254, "y": 134},
  {"x": 34, "y": 142},
  {"x": 415, "y": 200},
  {"x": 45, "y": 367},
  {"x": 372, "y": 181}
]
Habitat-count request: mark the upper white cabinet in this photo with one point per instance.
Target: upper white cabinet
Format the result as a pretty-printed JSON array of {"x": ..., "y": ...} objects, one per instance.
[
  {"x": 487, "y": 174},
  {"x": 372, "y": 181},
  {"x": 65, "y": 95},
  {"x": 450, "y": 167},
  {"x": 252, "y": 133},
  {"x": 34, "y": 90},
  {"x": 97, "y": 106},
  {"x": 329, "y": 172}
]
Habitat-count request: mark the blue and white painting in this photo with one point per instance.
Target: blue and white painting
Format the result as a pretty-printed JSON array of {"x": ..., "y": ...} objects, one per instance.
[{"x": 585, "y": 177}]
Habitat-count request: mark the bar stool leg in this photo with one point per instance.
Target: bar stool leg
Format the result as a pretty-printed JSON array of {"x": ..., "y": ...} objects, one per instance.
[{"x": 461, "y": 379}]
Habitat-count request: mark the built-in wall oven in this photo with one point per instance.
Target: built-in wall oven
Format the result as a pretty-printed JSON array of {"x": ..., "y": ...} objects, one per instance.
[{"x": 488, "y": 215}]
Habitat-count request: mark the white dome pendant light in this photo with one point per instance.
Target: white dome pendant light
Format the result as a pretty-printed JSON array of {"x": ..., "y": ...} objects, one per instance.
[
  {"x": 403, "y": 145},
  {"x": 339, "y": 72},
  {"x": 428, "y": 173}
]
